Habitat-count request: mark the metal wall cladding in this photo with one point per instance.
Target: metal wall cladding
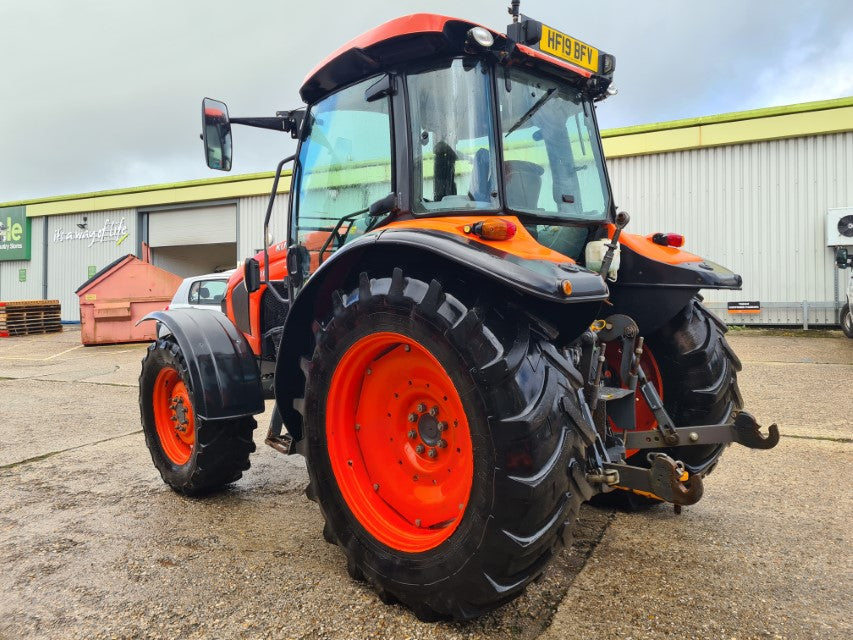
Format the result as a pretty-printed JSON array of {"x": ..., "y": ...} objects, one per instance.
[
  {"x": 758, "y": 209},
  {"x": 250, "y": 223},
  {"x": 11, "y": 287},
  {"x": 73, "y": 251}
]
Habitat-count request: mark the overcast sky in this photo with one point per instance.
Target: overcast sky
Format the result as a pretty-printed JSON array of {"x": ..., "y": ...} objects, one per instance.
[{"x": 106, "y": 94}]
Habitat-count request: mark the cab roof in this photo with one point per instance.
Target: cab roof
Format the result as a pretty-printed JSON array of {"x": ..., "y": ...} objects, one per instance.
[{"x": 414, "y": 37}]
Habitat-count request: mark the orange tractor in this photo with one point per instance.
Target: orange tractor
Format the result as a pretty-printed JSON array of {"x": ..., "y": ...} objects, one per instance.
[{"x": 459, "y": 336}]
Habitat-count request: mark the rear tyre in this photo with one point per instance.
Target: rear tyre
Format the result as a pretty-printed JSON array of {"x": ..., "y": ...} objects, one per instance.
[
  {"x": 442, "y": 460},
  {"x": 697, "y": 377},
  {"x": 193, "y": 455},
  {"x": 846, "y": 321}
]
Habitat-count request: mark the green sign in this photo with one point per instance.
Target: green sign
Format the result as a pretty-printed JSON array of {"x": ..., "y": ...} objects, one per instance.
[
  {"x": 15, "y": 232},
  {"x": 22, "y": 275},
  {"x": 92, "y": 270}
]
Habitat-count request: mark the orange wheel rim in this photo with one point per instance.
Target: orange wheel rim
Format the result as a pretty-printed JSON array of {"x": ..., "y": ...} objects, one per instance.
[
  {"x": 174, "y": 417},
  {"x": 399, "y": 442},
  {"x": 643, "y": 415}
]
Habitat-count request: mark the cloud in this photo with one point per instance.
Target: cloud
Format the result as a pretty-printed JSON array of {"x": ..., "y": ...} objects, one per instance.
[
  {"x": 98, "y": 94},
  {"x": 808, "y": 72}
]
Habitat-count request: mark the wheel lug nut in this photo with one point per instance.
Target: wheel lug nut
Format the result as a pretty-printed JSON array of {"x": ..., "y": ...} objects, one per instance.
[
  {"x": 442, "y": 444},
  {"x": 419, "y": 448},
  {"x": 418, "y": 522},
  {"x": 412, "y": 434},
  {"x": 413, "y": 417},
  {"x": 376, "y": 487},
  {"x": 407, "y": 347},
  {"x": 358, "y": 427},
  {"x": 442, "y": 426},
  {"x": 421, "y": 407},
  {"x": 433, "y": 412},
  {"x": 432, "y": 453}
]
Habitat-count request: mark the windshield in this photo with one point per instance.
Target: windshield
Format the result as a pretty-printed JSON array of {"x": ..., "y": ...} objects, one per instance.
[
  {"x": 552, "y": 159},
  {"x": 453, "y": 138}
]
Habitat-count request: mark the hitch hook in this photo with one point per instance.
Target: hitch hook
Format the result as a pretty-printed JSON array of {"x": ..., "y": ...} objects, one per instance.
[
  {"x": 666, "y": 476},
  {"x": 748, "y": 432}
]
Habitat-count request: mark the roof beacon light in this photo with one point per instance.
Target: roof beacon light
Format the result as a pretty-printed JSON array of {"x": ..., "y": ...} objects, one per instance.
[
  {"x": 493, "y": 229},
  {"x": 668, "y": 239},
  {"x": 481, "y": 36}
]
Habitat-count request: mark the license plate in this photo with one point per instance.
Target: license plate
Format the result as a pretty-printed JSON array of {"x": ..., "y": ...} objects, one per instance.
[{"x": 567, "y": 48}]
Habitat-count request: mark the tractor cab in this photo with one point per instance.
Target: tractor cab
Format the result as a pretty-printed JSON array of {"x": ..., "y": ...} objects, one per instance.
[{"x": 452, "y": 119}]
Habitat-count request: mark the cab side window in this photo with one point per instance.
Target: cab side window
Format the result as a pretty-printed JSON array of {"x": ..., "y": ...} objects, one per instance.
[{"x": 344, "y": 166}]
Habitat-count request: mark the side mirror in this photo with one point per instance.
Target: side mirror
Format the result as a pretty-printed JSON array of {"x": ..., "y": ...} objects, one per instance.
[
  {"x": 216, "y": 133},
  {"x": 298, "y": 264},
  {"x": 841, "y": 257},
  {"x": 252, "y": 275}
]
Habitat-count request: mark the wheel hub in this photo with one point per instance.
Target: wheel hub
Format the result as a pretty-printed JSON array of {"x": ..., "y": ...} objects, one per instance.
[
  {"x": 399, "y": 441},
  {"x": 428, "y": 430},
  {"x": 173, "y": 416}
]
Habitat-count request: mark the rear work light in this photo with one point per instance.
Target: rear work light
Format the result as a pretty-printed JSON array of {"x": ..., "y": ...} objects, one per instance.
[
  {"x": 492, "y": 229},
  {"x": 668, "y": 239}
]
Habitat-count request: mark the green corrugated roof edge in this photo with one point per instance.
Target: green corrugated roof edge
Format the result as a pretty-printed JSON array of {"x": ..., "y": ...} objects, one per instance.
[
  {"x": 768, "y": 112},
  {"x": 151, "y": 187}
]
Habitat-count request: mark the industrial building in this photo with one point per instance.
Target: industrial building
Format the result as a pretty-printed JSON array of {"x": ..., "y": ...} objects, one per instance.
[{"x": 756, "y": 191}]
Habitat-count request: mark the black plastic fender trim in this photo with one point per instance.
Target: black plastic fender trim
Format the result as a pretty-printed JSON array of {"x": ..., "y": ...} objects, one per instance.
[
  {"x": 539, "y": 278},
  {"x": 223, "y": 370},
  {"x": 636, "y": 270}
]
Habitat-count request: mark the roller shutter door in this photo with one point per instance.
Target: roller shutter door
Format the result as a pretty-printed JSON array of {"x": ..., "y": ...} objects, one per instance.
[{"x": 203, "y": 225}]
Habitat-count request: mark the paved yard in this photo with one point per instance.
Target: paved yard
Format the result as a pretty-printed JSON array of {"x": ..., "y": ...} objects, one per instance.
[{"x": 93, "y": 544}]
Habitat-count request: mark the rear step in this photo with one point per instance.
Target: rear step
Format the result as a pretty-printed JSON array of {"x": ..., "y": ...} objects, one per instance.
[{"x": 275, "y": 439}]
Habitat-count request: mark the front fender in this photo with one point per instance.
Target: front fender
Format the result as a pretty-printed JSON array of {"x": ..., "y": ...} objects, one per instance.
[{"x": 224, "y": 374}]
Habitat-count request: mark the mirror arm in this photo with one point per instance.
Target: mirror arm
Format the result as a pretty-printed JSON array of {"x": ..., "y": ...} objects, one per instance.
[
  {"x": 277, "y": 123},
  {"x": 287, "y": 121},
  {"x": 273, "y": 194}
]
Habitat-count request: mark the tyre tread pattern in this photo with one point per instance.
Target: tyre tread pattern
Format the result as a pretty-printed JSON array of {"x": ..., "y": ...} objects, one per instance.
[
  {"x": 539, "y": 477},
  {"x": 699, "y": 371}
]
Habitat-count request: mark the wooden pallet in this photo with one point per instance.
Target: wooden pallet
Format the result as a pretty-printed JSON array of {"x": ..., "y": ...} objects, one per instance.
[{"x": 26, "y": 317}]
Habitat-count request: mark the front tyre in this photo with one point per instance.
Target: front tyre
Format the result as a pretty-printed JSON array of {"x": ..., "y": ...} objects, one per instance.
[
  {"x": 443, "y": 462},
  {"x": 193, "y": 455}
]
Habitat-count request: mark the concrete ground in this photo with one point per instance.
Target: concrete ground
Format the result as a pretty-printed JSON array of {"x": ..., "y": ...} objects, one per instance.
[{"x": 93, "y": 544}]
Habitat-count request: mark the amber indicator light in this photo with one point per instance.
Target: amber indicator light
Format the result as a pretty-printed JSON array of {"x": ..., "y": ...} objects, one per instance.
[{"x": 493, "y": 229}]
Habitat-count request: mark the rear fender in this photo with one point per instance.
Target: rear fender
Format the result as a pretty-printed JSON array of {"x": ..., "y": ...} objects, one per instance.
[
  {"x": 647, "y": 264},
  {"x": 655, "y": 283},
  {"x": 533, "y": 285},
  {"x": 223, "y": 370}
]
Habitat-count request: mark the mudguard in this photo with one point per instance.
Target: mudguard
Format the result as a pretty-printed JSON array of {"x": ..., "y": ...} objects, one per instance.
[
  {"x": 224, "y": 374},
  {"x": 532, "y": 277},
  {"x": 537, "y": 283},
  {"x": 655, "y": 283}
]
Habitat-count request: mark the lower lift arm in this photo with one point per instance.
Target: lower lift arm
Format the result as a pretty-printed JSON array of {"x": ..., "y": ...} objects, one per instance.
[{"x": 665, "y": 478}]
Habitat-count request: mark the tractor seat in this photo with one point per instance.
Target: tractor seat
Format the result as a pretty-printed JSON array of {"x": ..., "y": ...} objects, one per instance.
[{"x": 523, "y": 183}]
